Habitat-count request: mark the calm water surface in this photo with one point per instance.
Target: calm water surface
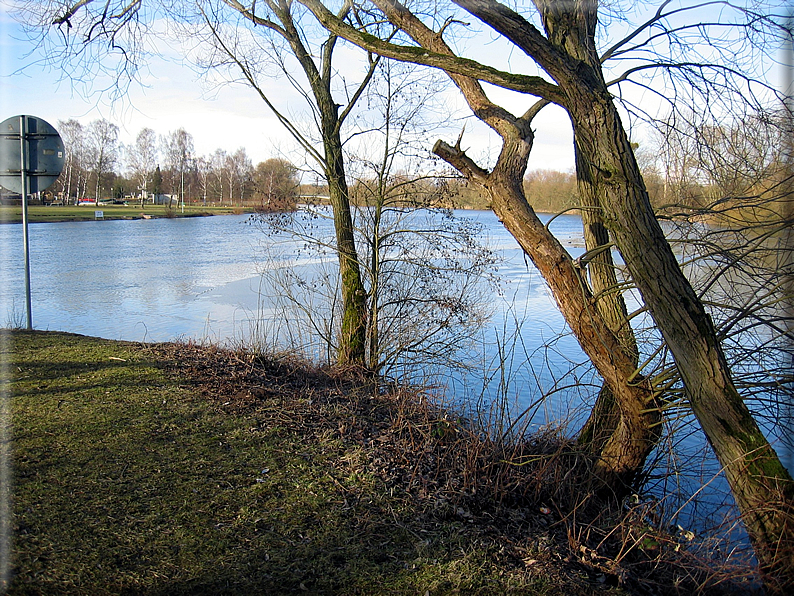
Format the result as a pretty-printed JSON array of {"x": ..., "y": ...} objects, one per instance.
[
  {"x": 162, "y": 279},
  {"x": 152, "y": 280}
]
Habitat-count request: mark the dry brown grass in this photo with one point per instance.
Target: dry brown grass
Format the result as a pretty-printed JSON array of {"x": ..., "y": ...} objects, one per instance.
[{"x": 535, "y": 498}]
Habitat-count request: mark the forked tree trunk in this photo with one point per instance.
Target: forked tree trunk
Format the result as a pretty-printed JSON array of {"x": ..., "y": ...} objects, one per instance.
[
  {"x": 352, "y": 340},
  {"x": 763, "y": 489},
  {"x": 622, "y": 454},
  {"x": 352, "y": 343}
]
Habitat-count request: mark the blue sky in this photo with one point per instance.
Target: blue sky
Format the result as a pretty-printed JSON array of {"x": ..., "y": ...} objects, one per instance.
[{"x": 171, "y": 95}]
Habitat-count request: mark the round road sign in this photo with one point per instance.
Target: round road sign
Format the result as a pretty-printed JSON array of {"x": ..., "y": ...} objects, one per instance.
[{"x": 36, "y": 143}]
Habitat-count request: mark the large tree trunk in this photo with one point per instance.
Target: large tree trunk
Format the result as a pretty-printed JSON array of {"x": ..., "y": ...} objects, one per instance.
[
  {"x": 604, "y": 418},
  {"x": 762, "y": 487},
  {"x": 622, "y": 454}
]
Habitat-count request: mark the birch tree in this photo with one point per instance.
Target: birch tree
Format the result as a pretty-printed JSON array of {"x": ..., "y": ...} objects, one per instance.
[
  {"x": 103, "y": 151},
  {"x": 238, "y": 171},
  {"x": 73, "y": 178},
  {"x": 178, "y": 151},
  {"x": 142, "y": 160}
]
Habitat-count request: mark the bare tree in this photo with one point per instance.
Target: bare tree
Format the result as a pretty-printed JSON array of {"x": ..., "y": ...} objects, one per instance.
[
  {"x": 204, "y": 173},
  {"x": 282, "y": 32},
  {"x": 103, "y": 151},
  {"x": 73, "y": 179},
  {"x": 426, "y": 270},
  {"x": 142, "y": 160},
  {"x": 238, "y": 172},
  {"x": 565, "y": 51},
  {"x": 218, "y": 166},
  {"x": 177, "y": 147}
]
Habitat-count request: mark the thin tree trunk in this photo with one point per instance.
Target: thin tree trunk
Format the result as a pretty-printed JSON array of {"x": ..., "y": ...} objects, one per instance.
[
  {"x": 352, "y": 343},
  {"x": 374, "y": 293},
  {"x": 68, "y": 189}
]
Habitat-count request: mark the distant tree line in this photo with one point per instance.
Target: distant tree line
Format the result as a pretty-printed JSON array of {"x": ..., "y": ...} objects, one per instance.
[
  {"x": 167, "y": 168},
  {"x": 737, "y": 170},
  {"x": 98, "y": 166},
  {"x": 680, "y": 173}
]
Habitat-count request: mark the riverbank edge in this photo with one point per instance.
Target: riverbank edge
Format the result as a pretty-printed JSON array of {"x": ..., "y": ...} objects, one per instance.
[
  {"x": 36, "y": 216},
  {"x": 42, "y": 214},
  {"x": 193, "y": 465}
]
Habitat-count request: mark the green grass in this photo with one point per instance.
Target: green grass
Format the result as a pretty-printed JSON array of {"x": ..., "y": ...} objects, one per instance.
[
  {"x": 58, "y": 213},
  {"x": 179, "y": 469},
  {"x": 127, "y": 479}
]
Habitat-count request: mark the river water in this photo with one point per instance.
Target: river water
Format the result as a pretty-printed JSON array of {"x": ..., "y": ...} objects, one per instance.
[{"x": 201, "y": 278}]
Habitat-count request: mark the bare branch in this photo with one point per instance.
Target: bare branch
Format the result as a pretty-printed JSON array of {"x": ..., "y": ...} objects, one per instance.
[
  {"x": 532, "y": 85},
  {"x": 70, "y": 12}
]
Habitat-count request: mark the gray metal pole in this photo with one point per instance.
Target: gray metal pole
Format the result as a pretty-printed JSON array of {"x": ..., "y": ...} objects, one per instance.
[{"x": 23, "y": 158}]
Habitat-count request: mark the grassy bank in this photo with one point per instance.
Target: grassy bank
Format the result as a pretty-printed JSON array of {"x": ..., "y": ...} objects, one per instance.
[
  {"x": 178, "y": 469},
  {"x": 60, "y": 213}
]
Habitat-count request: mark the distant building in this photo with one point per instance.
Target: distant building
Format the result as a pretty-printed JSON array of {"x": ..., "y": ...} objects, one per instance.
[{"x": 162, "y": 199}]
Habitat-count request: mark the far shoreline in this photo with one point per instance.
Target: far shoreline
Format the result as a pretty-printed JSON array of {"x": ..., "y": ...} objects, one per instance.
[{"x": 12, "y": 214}]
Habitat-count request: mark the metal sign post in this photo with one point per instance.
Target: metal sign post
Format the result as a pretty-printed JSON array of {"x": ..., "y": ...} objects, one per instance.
[
  {"x": 31, "y": 159},
  {"x": 23, "y": 178}
]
